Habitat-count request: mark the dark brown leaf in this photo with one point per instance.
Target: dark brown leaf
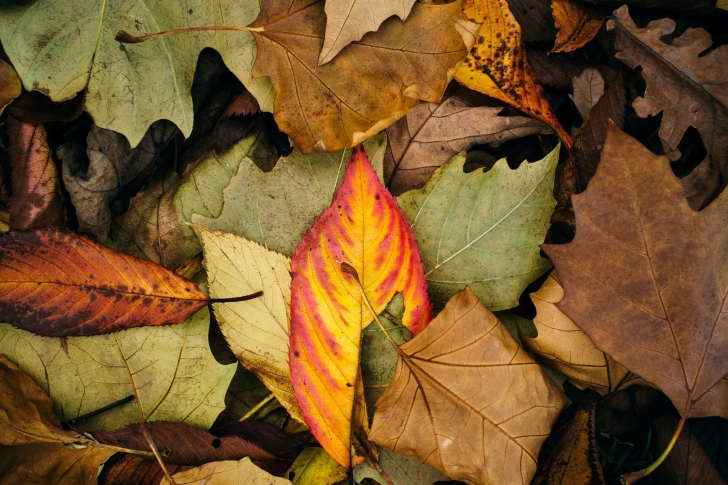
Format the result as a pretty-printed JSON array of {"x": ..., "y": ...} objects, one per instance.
[
  {"x": 136, "y": 470},
  {"x": 578, "y": 22},
  {"x": 266, "y": 436},
  {"x": 236, "y": 121},
  {"x": 35, "y": 107}
]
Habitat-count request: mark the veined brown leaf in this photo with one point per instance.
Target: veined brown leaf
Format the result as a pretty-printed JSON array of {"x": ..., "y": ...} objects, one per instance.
[{"x": 578, "y": 23}]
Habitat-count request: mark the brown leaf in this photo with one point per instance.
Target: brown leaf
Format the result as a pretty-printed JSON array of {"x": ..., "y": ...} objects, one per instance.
[
  {"x": 368, "y": 86},
  {"x": 432, "y": 133},
  {"x": 553, "y": 70},
  {"x": 588, "y": 87},
  {"x": 36, "y": 201},
  {"x": 575, "y": 460},
  {"x": 690, "y": 89},
  {"x": 242, "y": 472},
  {"x": 57, "y": 284},
  {"x": 532, "y": 15},
  {"x": 578, "y": 22},
  {"x": 687, "y": 463},
  {"x": 644, "y": 277},
  {"x": 35, "y": 107},
  {"x": 236, "y": 121},
  {"x": 136, "y": 470},
  {"x": 565, "y": 348},
  {"x": 658, "y": 4},
  {"x": 10, "y": 86},
  {"x": 267, "y": 437},
  {"x": 625, "y": 410},
  {"x": 467, "y": 399}
]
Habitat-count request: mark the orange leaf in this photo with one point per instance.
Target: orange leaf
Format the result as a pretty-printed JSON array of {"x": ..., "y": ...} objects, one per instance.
[
  {"x": 497, "y": 64},
  {"x": 577, "y": 22},
  {"x": 364, "y": 228},
  {"x": 57, "y": 284}
]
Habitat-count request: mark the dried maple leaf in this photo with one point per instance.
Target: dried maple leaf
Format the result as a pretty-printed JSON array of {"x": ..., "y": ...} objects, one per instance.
[
  {"x": 368, "y": 86},
  {"x": 578, "y": 22},
  {"x": 364, "y": 228},
  {"x": 645, "y": 276},
  {"x": 468, "y": 400},
  {"x": 497, "y": 65},
  {"x": 36, "y": 201}
]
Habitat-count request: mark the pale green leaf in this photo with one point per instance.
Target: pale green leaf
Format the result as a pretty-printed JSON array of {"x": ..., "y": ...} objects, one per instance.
[
  {"x": 314, "y": 466},
  {"x": 400, "y": 469},
  {"x": 483, "y": 230}
]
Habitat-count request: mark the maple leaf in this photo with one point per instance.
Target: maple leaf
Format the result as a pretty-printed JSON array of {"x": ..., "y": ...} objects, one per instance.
[
  {"x": 483, "y": 229},
  {"x": 577, "y": 22},
  {"x": 467, "y": 399},
  {"x": 37, "y": 39},
  {"x": 368, "y": 86},
  {"x": 364, "y": 228},
  {"x": 243, "y": 472}
]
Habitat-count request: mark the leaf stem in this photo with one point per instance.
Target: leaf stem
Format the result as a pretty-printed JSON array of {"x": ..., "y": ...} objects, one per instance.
[
  {"x": 629, "y": 478},
  {"x": 126, "y": 38},
  {"x": 156, "y": 455},
  {"x": 237, "y": 298},
  {"x": 108, "y": 407},
  {"x": 257, "y": 408}
]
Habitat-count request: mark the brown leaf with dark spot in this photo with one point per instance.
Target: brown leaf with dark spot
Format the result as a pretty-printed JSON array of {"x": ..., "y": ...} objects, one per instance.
[
  {"x": 36, "y": 201},
  {"x": 57, "y": 284},
  {"x": 578, "y": 22},
  {"x": 236, "y": 121}
]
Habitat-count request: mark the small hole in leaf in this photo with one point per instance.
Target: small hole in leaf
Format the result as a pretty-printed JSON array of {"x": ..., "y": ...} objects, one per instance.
[{"x": 216, "y": 443}]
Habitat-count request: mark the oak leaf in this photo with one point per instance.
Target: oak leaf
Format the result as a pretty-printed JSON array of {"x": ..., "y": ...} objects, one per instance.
[
  {"x": 497, "y": 65},
  {"x": 368, "y": 86},
  {"x": 468, "y": 400},
  {"x": 644, "y": 277},
  {"x": 243, "y": 472},
  {"x": 365, "y": 229},
  {"x": 578, "y": 23},
  {"x": 36, "y": 201},
  {"x": 483, "y": 229},
  {"x": 432, "y": 133}
]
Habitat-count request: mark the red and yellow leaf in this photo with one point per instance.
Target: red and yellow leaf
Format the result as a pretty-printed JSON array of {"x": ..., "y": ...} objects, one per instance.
[
  {"x": 57, "y": 284},
  {"x": 364, "y": 228}
]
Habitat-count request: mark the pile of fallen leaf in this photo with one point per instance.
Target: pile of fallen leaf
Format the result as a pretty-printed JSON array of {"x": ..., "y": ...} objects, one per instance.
[{"x": 381, "y": 242}]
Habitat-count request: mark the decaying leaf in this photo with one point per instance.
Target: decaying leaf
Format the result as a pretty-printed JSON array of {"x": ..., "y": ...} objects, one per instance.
[
  {"x": 575, "y": 460},
  {"x": 242, "y": 472},
  {"x": 315, "y": 467},
  {"x": 64, "y": 48},
  {"x": 468, "y": 400},
  {"x": 400, "y": 469},
  {"x": 645, "y": 276},
  {"x": 275, "y": 209},
  {"x": 483, "y": 229},
  {"x": 137, "y": 470},
  {"x": 236, "y": 121},
  {"x": 588, "y": 87},
  {"x": 170, "y": 370},
  {"x": 432, "y": 133},
  {"x": 497, "y": 65},
  {"x": 36, "y": 200},
  {"x": 10, "y": 86},
  {"x": 368, "y": 86},
  {"x": 237, "y": 264},
  {"x": 578, "y": 22},
  {"x": 567, "y": 349},
  {"x": 689, "y": 88},
  {"x": 57, "y": 284},
  {"x": 349, "y": 20},
  {"x": 365, "y": 229}
]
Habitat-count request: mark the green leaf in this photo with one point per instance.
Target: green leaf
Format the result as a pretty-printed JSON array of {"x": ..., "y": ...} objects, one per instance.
[
  {"x": 61, "y": 48},
  {"x": 275, "y": 209},
  {"x": 483, "y": 229},
  {"x": 169, "y": 369},
  {"x": 400, "y": 469},
  {"x": 315, "y": 467}
]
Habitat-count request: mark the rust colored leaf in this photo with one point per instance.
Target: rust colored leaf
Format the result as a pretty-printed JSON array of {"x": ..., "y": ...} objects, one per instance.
[
  {"x": 497, "y": 65},
  {"x": 137, "y": 470},
  {"x": 10, "y": 86},
  {"x": 575, "y": 460},
  {"x": 368, "y": 86},
  {"x": 36, "y": 200},
  {"x": 365, "y": 229},
  {"x": 645, "y": 277},
  {"x": 57, "y": 284},
  {"x": 236, "y": 121},
  {"x": 468, "y": 400},
  {"x": 578, "y": 22}
]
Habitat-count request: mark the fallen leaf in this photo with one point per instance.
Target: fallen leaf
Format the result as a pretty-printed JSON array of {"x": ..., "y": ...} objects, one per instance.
[
  {"x": 170, "y": 370},
  {"x": 400, "y": 469},
  {"x": 36, "y": 107},
  {"x": 565, "y": 348},
  {"x": 368, "y": 86},
  {"x": 236, "y": 121},
  {"x": 57, "y": 284},
  {"x": 658, "y": 4},
  {"x": 267, "y": 436},
  {"x": 36, "y": 201},
  {"x": 95, "y": 176},
  {"x": 432, "y": 133},
  {"x": 128, "y": 87},
  {"x": 687, "y": 463},
  {"x": 625, "y": 410},
  {"x": 497, "y": 65},
  {"x": 483, "y": 229},
  {"x": 722, "y": 4},
  {"x": 243, "y": 394},
  {"x": 10, "y": 86},
  {"x": 588, "y": 87},
  {"x": 534, "y": 17},
  {"x": 712, "y": 434},
  {"x": 682, "y": 83},
  {"x": 135, "y": 469},
  {"x": 350, "y": 20},
  {"x": 364, "y": 228},
  {"x": 577, "y": 22},
  {"x": 575, "y": 460},
  {"x": 468, "y": 400},
  {"x": 275, "y": 209},
  {"x": 237, "y": 264},
  {"x": 315, "y": 467},
  {"x": 643, "y": 277},
  {"x": 553, "y": 70},
  {"x": 242, "y": 472}
]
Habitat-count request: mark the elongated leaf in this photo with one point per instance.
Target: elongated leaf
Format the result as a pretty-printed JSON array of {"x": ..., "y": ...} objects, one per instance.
[
  {"x": 315, "y": 467},
  {"x": 137, "y": 470},
  {"x": 56, "y": 284},
  {"x": 468, "y": 400},
  {"x": 365, "y": 229},
  {"x": 242, "y": 472},
  {"x": 483, "y": 229}
]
